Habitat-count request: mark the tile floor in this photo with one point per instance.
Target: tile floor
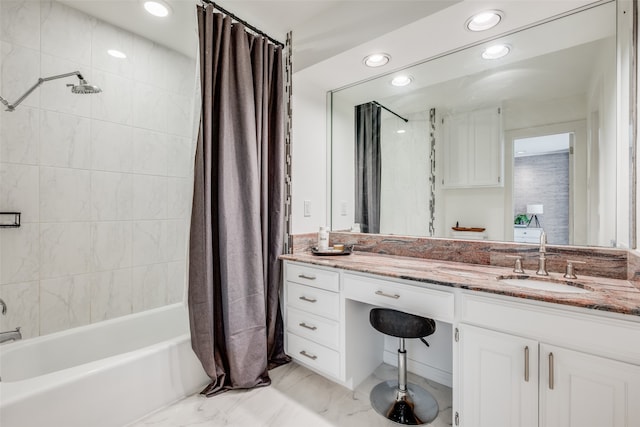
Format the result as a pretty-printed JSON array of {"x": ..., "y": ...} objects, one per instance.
[{"x": 297, "y": 397}]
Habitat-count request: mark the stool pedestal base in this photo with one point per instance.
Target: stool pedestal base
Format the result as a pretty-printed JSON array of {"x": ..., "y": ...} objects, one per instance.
[{"x": 414, "y": 407}]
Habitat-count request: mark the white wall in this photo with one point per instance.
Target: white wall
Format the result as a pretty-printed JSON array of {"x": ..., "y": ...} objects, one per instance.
[
  {"x": 103, "y": 181},
  {"x": 309, "y": 153}
]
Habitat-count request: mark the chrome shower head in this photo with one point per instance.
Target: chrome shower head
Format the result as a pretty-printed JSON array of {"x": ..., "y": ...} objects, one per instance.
[{"x": 83, "y": 87}]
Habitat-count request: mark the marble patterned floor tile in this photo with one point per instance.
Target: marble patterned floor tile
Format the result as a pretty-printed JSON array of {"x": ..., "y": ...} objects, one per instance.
[{"x": 296, "y": 397}]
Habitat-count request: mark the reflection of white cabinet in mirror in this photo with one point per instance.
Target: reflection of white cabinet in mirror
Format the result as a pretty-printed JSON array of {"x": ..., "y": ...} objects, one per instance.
[{"x": 472, "y": 149}]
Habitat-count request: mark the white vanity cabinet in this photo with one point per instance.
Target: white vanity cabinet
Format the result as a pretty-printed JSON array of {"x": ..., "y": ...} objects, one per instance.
[
  {"x": 528, "y": 377},
  {"x": 473, "y": 149},
  {"x": 515, "y": 362},
  {"x": 312, "y": 318}
]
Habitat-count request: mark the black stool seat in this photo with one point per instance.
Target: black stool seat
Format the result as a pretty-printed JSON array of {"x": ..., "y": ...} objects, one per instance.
[
  {"x": 400, "y": 401},
  {"x": 400, "y": 324}
]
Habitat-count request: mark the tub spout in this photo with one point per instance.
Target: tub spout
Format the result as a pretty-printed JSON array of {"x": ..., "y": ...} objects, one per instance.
[{"x": 10, "y": 335}]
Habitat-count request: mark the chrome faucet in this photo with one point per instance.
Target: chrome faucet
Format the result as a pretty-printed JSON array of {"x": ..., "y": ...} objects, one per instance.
[
  {"x": 542, "y": 260},
  {"x": 14, "y": 335}
]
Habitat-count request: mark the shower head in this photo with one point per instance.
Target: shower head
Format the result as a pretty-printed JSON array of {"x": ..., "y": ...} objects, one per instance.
[{"x": 83, "y": 87}]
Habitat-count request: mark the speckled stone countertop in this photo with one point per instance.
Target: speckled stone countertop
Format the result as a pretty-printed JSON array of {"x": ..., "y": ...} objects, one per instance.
[{"x": 612, "y": 295}]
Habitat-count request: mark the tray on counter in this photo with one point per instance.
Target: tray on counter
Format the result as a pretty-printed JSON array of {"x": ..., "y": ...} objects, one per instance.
[{"x": 332, "y": 252}]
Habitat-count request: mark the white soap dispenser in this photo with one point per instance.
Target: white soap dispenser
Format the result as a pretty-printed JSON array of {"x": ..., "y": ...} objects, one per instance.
[{"x": 323, "y": 239}]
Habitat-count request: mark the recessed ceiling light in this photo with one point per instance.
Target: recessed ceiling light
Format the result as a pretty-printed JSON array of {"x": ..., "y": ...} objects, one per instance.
[
  {"x": 157, "y": 8},
  {"x": 401, "y": 80},
  {"x": 116, "y": 54},
  {"x": 484, "y": 20},
  {"x": 400, "y": 131},
  {"x": 377, "y": 59},
  {"x": 496, "y": 51}
]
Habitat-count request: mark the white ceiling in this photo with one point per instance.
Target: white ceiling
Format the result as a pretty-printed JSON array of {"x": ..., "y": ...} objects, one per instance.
[
  {"x": 465, "y": 79},
  {"x": 321, "y": 28}
]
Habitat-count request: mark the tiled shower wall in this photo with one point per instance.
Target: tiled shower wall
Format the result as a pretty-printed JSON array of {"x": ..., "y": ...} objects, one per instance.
[{"x": 103, "y": 181}]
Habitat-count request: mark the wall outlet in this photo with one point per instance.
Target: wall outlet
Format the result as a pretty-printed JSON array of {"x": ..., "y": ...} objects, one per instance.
[{"x": 307, "y": 208}]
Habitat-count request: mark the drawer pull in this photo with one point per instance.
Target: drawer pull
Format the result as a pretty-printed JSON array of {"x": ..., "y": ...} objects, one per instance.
[
  {"x": 304, "y": 325},
  {"x": 551, "y": 376},
  {"x": 310, "y": 356},
  {"x": 382, "y": 294},
  {"x": 304, "y": 276},
  {"x": 526, "y": 364},
  {"x": 303, "y": 298}
]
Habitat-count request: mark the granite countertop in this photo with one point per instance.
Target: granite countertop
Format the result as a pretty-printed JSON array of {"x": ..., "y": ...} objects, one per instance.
[{"x": 612, "y": 295}]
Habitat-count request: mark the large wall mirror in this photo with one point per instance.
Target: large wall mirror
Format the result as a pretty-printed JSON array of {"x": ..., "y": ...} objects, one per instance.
[{"x": 495, "y": 149}]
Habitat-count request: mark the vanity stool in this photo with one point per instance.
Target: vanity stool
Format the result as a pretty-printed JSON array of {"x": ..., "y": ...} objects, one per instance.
[{"x": 398, "y": 401}]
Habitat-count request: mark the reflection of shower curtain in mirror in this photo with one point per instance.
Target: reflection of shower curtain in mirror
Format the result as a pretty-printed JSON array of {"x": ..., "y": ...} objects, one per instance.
[{"x": 368, "y": 167}]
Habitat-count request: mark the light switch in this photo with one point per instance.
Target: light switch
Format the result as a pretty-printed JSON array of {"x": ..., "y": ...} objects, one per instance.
[
  {"x": 343, "y": 208},
  {"x": 307, "y": 208}
]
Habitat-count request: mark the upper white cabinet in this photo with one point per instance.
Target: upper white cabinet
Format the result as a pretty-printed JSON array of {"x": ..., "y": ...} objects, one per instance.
[{"x": 473, "y": 155}]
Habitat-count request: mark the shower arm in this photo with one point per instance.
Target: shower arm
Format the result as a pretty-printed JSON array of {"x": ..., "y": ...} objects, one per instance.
[{"x": 11, "y": 107}]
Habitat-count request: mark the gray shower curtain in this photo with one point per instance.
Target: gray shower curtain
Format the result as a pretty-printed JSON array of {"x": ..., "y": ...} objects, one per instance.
[
  {"x": 238, "y": 216},
  {"x": 368, "y": 167}
]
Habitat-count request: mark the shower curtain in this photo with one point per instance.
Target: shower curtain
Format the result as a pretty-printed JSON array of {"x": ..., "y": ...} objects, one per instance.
[
  {"x": 237, "y": 222},
  {"x": 368, "y": 167}
]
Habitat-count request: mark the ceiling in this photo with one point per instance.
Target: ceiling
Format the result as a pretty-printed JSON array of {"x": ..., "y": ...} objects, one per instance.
[{"x": 321, "y": 28}]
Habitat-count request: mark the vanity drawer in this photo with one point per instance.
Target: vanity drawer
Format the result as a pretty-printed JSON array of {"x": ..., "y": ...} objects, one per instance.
[
  {"x": 313, "y": 300},
  {"x": 315, "y": 328},
  {"x": 403, "y": 297},
  {"x": 314, "y": 355},
  {"x": 313, "y": 276}
]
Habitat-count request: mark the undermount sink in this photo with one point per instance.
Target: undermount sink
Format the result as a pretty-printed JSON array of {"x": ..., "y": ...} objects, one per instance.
[{"x": 544, "y": 284}]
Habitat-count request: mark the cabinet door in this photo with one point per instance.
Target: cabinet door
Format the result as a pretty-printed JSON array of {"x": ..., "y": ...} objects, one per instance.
[
  {"x": 581, "y": 390},
  {"x": 485, "y": 148},
  {"x": 499, "y": 379},
  {"x": 456, "y": 150},
  {"x": 473, "y": 149}
]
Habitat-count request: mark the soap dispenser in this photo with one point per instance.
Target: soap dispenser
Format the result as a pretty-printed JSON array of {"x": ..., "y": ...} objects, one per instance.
[{"x": 323, "y": 239}]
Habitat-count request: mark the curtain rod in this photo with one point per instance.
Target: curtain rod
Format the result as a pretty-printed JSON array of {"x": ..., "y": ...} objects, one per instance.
[
  {"x": 395, "y": 114},
  {"x": 243, "y": 22}
]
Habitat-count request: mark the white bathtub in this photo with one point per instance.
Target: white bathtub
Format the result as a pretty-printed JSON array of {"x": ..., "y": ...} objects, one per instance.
[{"x": 106, "y": 374}]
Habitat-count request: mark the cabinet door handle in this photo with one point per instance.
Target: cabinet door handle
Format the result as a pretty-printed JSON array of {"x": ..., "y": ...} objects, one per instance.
[
  {"x": 310, "y": 356},
  {"x": 304, "y": 276},
  {"x": 526, "y": 364},
  {"x": 551, "y": 371},
  {"x": 304, "y": 325},
  {"x": 382, "y": 294},
  {"x": 303, "y": 298}
]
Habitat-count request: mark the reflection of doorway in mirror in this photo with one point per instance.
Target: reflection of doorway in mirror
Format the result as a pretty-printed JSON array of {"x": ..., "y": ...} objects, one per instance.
[{"x": 541, "y": 176}]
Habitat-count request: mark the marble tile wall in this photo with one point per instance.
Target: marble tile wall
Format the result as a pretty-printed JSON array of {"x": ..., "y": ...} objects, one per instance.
[
  {"x": 599, "y": 262},
  {"x": 103, "y": 181}
]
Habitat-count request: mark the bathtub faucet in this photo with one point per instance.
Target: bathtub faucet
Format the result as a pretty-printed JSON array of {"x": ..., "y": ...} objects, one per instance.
[{"x": 10, "y": 335}]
